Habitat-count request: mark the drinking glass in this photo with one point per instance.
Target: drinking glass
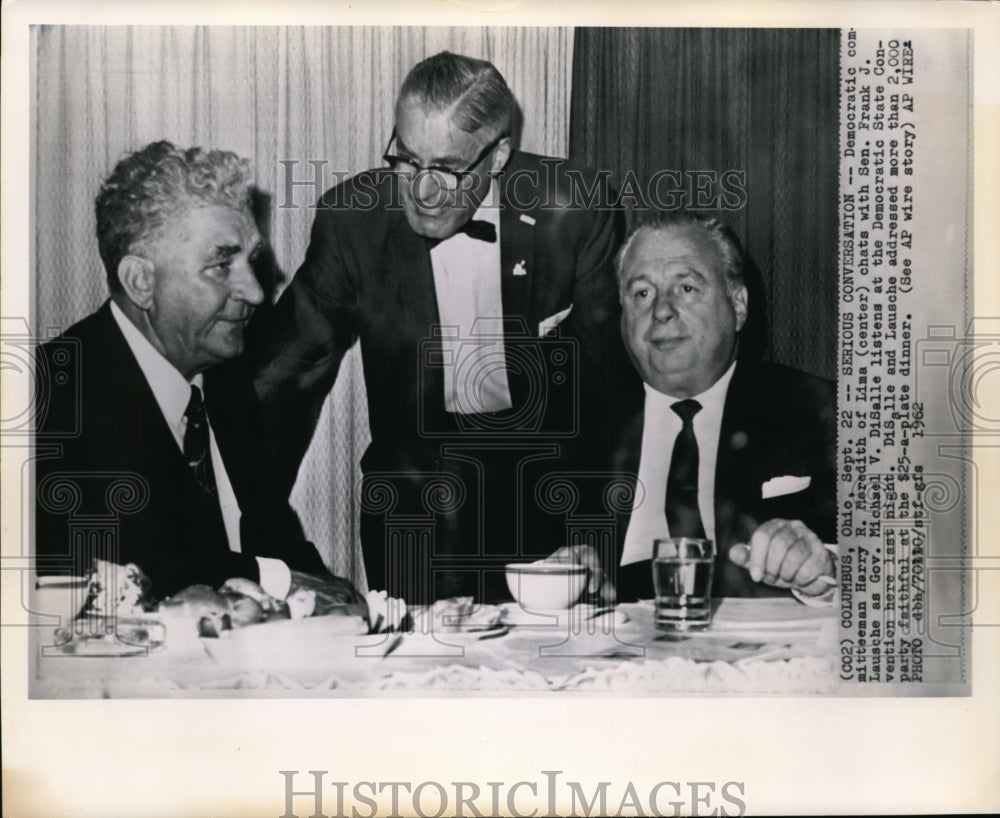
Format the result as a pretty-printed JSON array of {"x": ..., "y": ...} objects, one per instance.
[{"x": 682, "y": 581}]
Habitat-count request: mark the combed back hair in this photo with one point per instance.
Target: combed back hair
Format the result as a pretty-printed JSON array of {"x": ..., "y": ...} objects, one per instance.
[
  {"x": 473, "y": 90},
  {"x": 735, "y": 262},
  {"x": 157, "y": 183}
]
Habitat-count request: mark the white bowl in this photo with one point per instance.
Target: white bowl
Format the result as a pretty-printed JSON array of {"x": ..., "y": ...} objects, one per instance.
[
  {"x": 547, "y": 585},
  {"x": 61, "y": 596}
]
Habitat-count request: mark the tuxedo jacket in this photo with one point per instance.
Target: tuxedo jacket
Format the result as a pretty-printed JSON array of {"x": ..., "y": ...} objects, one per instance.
[
  {"x": 776, "y": 422},
  {"x": 112, "y": 483},
  {"x": 367, "y": 276}
]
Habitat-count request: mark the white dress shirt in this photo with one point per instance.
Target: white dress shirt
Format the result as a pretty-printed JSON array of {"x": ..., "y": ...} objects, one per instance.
[
  {"x": 173, "y": 392},
  {"x": 660, "y": 428},
  {"x": 467, "y": 286}
]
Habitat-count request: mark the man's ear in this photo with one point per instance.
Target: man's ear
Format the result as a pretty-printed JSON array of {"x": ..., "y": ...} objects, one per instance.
[
  {"x": 501, "y": 155},
  {"x": 136, "y": 275},
  {"x": 738, "y": 297}
]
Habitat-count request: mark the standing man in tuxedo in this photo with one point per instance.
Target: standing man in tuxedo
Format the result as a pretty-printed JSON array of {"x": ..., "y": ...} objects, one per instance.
[
  {"x": 166, "y": 424},
  {"x": 725, "y": 446},
  {"x": 479, "y": 281}
]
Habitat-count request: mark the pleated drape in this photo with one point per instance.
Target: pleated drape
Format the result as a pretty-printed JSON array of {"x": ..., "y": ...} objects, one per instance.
[
  {"x": 285, "y": 98},
  {"x": 763, "y": 102}
]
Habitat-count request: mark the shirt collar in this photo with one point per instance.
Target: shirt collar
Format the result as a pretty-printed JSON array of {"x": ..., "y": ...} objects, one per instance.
[
  {"x": 171, "y": 390},
  {"x": 712, "y": 399}
]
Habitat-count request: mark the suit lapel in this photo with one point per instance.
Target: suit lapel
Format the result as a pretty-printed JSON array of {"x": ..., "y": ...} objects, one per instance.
[
  {"x": 517, "y": 276},
  {"x": 731, "y": 443},
  {"x": 737, "y": 468},
  {"x": 517, "y": 264},
  {"x": 632, "y": 581},
  {"x": 626, "y": 464},
  {"x": 123, "y": 383},
  {"x": 408, "y": 261},
  {"x": 408, "y": 282}
]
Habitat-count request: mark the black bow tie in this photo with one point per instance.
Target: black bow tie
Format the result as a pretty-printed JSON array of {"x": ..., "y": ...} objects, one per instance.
[
  {"x": 479, "y": 229},
  {"x": 474, "y": 229}
]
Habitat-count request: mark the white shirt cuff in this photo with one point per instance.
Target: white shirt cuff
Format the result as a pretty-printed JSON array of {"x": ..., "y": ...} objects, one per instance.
[
  {"x": 275, "y": 577},
  {"x": 823, "y": 600}
]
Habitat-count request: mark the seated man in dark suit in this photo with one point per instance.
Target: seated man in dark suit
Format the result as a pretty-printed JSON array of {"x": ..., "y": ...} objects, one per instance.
[
  {"x": 724, "y": 446},
  {"x": 479, "y": 282},
  {"x": 166, "y": 467}
]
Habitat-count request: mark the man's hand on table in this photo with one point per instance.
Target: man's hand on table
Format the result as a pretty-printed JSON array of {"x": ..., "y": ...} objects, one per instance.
[
  {"x": 786, "y": 554},
  {"x": 586, "y": 555},
  {"x": 322, "y": 594}
]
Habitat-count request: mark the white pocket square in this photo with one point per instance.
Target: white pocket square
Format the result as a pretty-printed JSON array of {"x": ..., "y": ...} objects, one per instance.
[
  {"x": 553, "y": 321},
  {"x": 779, "y": 486}
]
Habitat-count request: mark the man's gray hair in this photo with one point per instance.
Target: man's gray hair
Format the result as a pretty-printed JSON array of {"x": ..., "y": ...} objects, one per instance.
[
  {"x": 734, "y": 260},
  {"x": 473, "y": 90},
  {"x": 157, "y": 183}
]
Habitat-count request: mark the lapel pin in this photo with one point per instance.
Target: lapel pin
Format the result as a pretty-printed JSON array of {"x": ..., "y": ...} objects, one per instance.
[
  {"x": 527, "y": 219},
  {"x": 519, "y": 268}
]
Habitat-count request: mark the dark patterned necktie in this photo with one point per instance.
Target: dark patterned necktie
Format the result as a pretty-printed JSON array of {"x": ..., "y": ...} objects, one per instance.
[
  {"x": 683, "y": 516},
  {"x": 196, "y": 448}
]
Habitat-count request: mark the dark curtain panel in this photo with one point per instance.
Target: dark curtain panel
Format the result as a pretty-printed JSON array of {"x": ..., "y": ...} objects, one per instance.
[{"x": 761, "y": 102}]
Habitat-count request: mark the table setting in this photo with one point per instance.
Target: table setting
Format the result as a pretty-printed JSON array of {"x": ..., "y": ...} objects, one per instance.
[{"x": 550, "y": 638}]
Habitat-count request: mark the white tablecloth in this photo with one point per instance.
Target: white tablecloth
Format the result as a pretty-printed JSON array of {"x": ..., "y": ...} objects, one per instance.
[{"x": 772, "y": 646}]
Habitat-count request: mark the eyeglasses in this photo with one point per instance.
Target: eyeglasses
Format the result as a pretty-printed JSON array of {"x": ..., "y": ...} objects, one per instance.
[{"x": 446, "y": 177}]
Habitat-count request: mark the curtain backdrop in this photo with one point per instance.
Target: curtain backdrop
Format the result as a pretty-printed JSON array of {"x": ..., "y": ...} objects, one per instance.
[
  {"x": 301, "y": 95},
  {"x": 761, "y": 101}
]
